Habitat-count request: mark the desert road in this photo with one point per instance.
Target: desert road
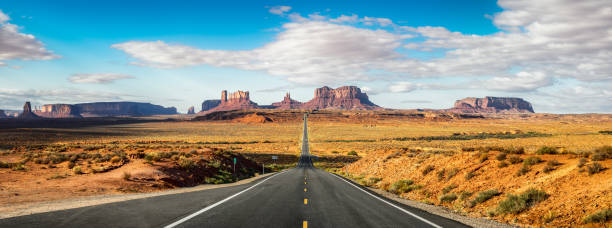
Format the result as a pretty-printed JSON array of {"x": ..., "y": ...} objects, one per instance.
[{"x": 299, "y": 197}]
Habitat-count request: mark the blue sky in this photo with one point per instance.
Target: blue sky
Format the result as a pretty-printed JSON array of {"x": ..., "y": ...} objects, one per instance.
[{"x": 405, "y": 54}]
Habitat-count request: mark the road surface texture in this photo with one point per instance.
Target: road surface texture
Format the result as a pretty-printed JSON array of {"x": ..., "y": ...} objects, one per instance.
[{"x": 300, "y": 197}]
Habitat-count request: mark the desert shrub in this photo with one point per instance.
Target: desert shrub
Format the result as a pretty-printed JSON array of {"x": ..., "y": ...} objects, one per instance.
[
  {"x": 18, "y": 167},
  {"x": 484, "y": 196},
  {"x": 372, "y": 181},
  {"x": 602, "y": 153},
  {"x": 449, "y": 188},
  {"x": 335, "y": 152},
  {"x": 469, "y": 175},
  {"x": 352, "y": 153},
  {"x": 428, "y": 169},
  {"x": 403, "y": 186},
  {"x": 440, "y": 174},
  {"x": 115, "y": 159},
  {"x": 501, "y": 156},
  {"x": 594, "y": 168},
  {"x": 215, "y": 164},
  {"x": 582, "y": 162},
  {"x": 464, "y": 195},
  {"x": 515, "y": 204},
  {"x": 547, "y": 150},
  {"x": 601, "y": 216},
  {"x": 126, "y": 176},
  {"x": 515, "y": 150},
  {"x": 551, "y": 165},
  {"x": 3, "y": 164},
  {"x": 532, "y": 160},
  {"x": 186, "y": 163},
  {"x": 70, "y": 165},
  {"x": 502, "y": 164},
  {"x": 174, "y": 157},
  {"x": 515, "y": 159},
  {"x": 77, "y": 170},
  {"x": 606, "y": 132},
  {"x": 523, "y": 170},
  {"x": 451, "y": 173},
  {"x": 448, "y": 197},
  {"x": 153, "y": 156},
  {"x": 482, "y": 157},
  {"x": 193, "y": 152}
]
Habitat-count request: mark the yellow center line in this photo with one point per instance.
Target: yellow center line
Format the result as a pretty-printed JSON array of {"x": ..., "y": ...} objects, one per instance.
[
  {"x": 305, "y": 201},
  {"x": 305, "y": 224}
]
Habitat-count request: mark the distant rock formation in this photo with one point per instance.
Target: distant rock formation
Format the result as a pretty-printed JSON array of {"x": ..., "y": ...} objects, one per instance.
[
  {"x": 234, "y": 101},
  {"x": 58, "y": 111},
  {"x": 345, "y": 97},
  {"x": 100, "y": 109},
  {"x": 27, "y": 112},
  {"x": 492, "y": 105},
  {"x": 191, "y": 110},
  {"x": 287, "y": 103},
  {"x": 2, "y": 114},
  {"x": 209, "y": 104}
]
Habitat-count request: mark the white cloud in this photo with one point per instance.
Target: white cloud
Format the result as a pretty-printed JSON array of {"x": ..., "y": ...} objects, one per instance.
[
  {"x": 14, "y": 98},
  {"x": 103, "y": 78},
  {"x": 403, "y": 87},
  {"x": 310, "y": 52},
  {"x": 521, "y": 82},
  {"x": 16, "y": 45},
  {"x": 279, "y": 10}
]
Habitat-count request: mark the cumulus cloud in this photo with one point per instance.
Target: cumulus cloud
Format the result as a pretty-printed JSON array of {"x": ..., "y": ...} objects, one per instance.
[
  {"x": 16, "y": 45},
  {"x": 279, "y": 10},
  {"x": 103, "y": 78},
  {"x": 544, "y": 39},
  {"x": 521, "y": 82},
  {"x": 14, "y": 98},
  {"x": 309, "y": 52},
  {"x": 403, "y": 87}
]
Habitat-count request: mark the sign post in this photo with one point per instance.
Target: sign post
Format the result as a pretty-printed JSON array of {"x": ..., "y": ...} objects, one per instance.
[{"x": 234, "y": 166}]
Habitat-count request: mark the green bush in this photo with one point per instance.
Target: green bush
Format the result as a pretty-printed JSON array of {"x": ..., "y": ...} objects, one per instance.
[
  {"x": 547, "y": 150},
  {"x": 464, "y": 195},
  {"x": 153, "y": 156},
  {"x": 403, "y": 186},
  {"x": 515, "y": 204},
  {"x": 449, "y": 188},
  {"x": 484, "y": 196},
  {"x": 372, "y": 181},
  {"x": 352, "y": 153},
  {"x": 440, "y": 174},
  {"x": 501, "y": 156},
  {"x": 469, "y": 175},
  {"x": 186, "y": 163},
  {"x": 77, "y": 170},
  {"x": 515, "y": 159},
  {"x": 532, "y": 160},
  {"x": 594, "y": 168},
  {"x": 522, "y": 171},
  {"x": 448, "y": 197},
  {"x": 602, "y": 153},
  {"x": 451, "y": 173},
  {"x": 582, "y": 162},
  {"x": 428, "y": 169},
  {"x": 601, "y": 216}
]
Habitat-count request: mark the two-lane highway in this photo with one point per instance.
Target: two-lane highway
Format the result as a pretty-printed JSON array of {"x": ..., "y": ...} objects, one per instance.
[{"x": 300, "y": 197}]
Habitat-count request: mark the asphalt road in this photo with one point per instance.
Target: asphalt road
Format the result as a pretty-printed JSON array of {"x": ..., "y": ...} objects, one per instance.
[{"x": 300, "y": 197}]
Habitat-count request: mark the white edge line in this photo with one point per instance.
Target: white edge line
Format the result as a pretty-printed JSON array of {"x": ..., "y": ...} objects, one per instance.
[
  {"x": 174, "y": 224},
  {"x": 393, "y": 205}
]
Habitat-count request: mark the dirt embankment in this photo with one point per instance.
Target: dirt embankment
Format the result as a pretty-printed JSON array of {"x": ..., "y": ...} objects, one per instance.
[
  {"x": 573, "y": 185},
  {"x": 35, "y": 175}
]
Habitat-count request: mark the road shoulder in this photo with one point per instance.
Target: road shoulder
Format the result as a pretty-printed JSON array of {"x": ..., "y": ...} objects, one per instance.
[{"x": 15, "y": 210}]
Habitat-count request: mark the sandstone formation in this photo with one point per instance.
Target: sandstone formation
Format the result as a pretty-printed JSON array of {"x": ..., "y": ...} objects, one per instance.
[
  {"x": 58, "y": 111},
  {"x": 345, "y": 97},
  {"x": 234, "y": 101},
  {"x": 27, "y": 112},
  {"x": 100, "y": 109},
  {"x": 492, "y": 105},
  {"x": 191, "y": 110},
  {"x": 287, "y": 103},
  {"x": 209, "y": 104}
]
